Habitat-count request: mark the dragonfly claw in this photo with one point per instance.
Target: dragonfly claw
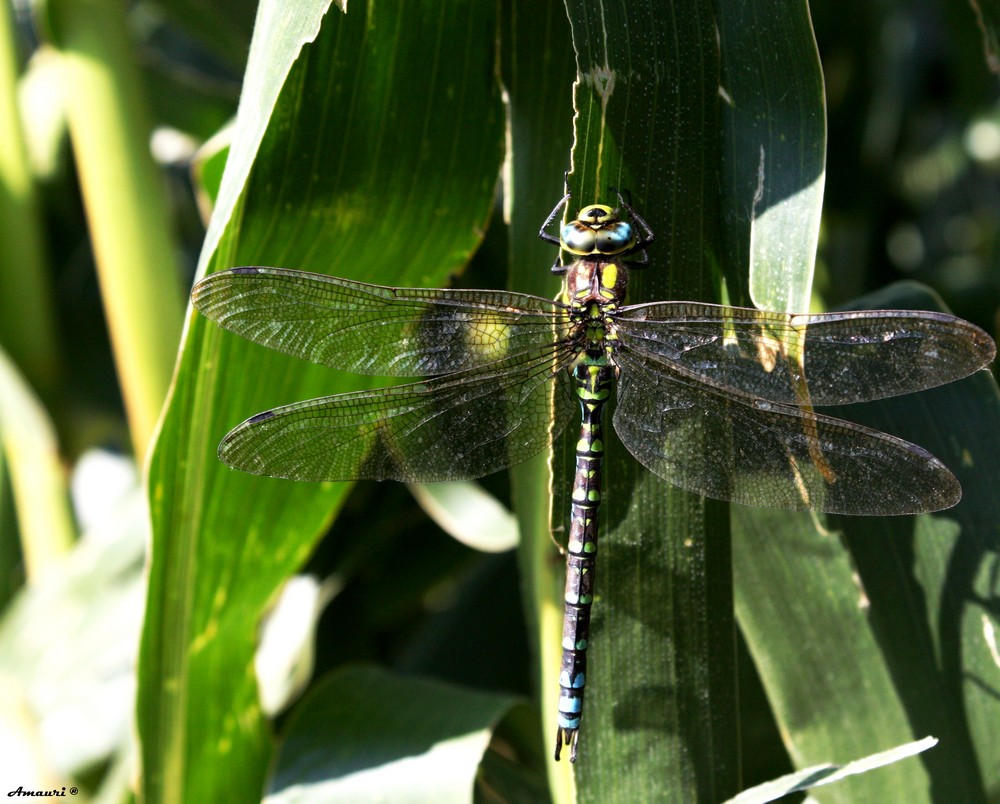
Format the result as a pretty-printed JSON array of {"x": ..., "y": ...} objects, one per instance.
[{"x": 567, "y": 737}]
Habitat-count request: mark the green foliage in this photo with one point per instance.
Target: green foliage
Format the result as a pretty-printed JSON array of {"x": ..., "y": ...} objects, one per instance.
[
  {"x": 369, "y": 145},
  {"x": 338, "y": 170},
  {"x": 661, "y": 700}
]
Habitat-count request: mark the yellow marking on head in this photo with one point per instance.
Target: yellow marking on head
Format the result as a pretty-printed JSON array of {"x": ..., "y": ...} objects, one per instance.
[{"x": 596, "y": 213}]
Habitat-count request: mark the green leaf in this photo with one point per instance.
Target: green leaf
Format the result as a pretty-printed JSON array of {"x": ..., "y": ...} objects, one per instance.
[
  {"x": 37, "y": 478},
  {"x": 340, "y": 164},
  {"x": 465, "y": 511},
  {"x": 865, "y": 631},
  {"x": 660, "y": 718},
  {"x": 131, "y": 232},
  {"x": 350, "y": 170},
  {"x": 538, "y": 76},
  {"x": 775, "y": 147},
  {"x": 27, "y": 317},
  {"x": 336, "y": 748},
  {"x": 827, "y": 774},
  {"x": 646, "y": 97}
]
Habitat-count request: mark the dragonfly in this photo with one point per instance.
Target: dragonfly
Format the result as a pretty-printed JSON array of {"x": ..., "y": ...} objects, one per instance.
[{"x": 717, "y": 400}]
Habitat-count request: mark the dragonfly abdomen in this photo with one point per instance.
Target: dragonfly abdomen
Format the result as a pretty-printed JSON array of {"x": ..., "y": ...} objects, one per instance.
[{"x": 593, "y": 386}]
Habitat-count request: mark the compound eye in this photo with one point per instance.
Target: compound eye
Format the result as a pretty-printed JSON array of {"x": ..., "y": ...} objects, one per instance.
[
  {"x": 578, "y": 239},
  {"x": 613, "y": 238}
]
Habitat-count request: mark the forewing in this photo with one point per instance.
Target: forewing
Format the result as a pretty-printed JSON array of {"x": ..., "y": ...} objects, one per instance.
[
  {"x": 828, "y": 359},
  {"x": 370, "y": 329},
  {"x": 730, "y": 446},
  {"x": 462, "y": 426}
]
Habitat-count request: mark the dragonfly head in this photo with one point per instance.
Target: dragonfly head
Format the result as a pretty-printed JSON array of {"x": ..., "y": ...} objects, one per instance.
[{"x": 597, "y": 230}]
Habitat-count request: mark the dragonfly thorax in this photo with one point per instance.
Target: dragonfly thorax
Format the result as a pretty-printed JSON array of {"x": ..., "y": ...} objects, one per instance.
[
  {"x": 597, "y": 230},
  {"x": 595, "y": 283}
]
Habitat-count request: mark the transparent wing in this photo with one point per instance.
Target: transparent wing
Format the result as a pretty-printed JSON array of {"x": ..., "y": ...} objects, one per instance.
[
  {"x": 464, "y": 425},
  {"x": 730, "y": 446},
  {"x": 375, "y": 330},
  {"x": 828, "y": 359}
]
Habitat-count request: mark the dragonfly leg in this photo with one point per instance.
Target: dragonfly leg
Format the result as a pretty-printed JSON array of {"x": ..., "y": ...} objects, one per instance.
[
  {"x": 557, "y": 267},
  {"x": 647, "y": 233},
  {"x": 638, "y": 259},
  {"x": 548, "y": 238}
]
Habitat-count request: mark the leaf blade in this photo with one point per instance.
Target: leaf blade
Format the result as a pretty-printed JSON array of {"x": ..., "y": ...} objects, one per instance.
[{"x": 296, "y": 192}]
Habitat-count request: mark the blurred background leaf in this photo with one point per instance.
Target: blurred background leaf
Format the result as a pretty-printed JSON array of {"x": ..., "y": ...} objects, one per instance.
[{"x": 335, "y": 747}]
